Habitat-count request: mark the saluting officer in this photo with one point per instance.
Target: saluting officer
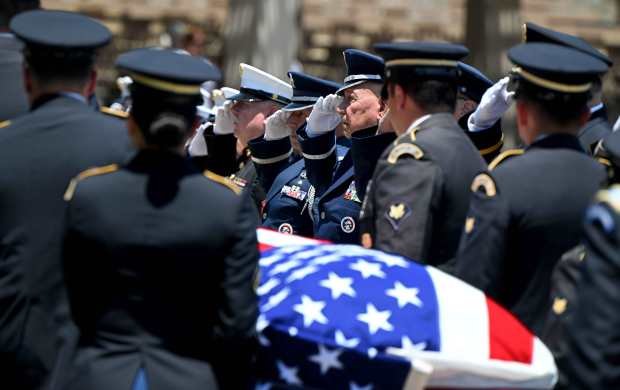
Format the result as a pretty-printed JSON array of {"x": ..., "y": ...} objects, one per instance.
[
  {"x": 418, "y": 197},
  {"x": 527, "y": 211},
  {"x": 286, "y": 207},
  {"x": 472, "y": 86},
  {"x": 41, "y": 151},
  {"x": 339, "y": 176},
  {"x": 178, "y": 246}
]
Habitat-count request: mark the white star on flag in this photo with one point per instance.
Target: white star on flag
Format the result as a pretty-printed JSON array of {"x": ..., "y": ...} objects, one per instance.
[
  {"x": 354, "y": 386},
  {"x": 288, "y": 374},
  {"x": 368, "y": 269},
  {"x": 344, "y": 342},
  {"x": 284, "y": 267},
  {"x": 376, "y": 319},
  {"x": 327, "y": 359},
  {"x": 338, "y": 286},
  {"x": 276, "y": 299},
  {"x": 311, "y": 311},
  {"x": 268, "y": 286},
  {"x": 404, "y": 295},
  {"x": 408, "y": 349},
  {"x": 301, "y": 273}
]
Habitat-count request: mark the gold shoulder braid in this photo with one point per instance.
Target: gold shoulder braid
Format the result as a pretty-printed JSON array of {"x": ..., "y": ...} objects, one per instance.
[
  {"x": 503, "y": 156},
  {"x": 405, "y": 149},
  {"x": 114, "y": 112},
  {"x": 226, "y": 182},
  {"x": 86, "y": 174},
  {"x": 485, "y": 182},
  {"x": 4, "y": 124}
]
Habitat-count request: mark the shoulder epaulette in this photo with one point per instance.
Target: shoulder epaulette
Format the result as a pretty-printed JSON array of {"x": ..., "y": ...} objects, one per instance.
[
  {"x": 114, "y": 112},
  {"x": 223, "y": 181},
  {"x": 86, "y": 174},
  {"x": 505, "y": 155},
  {"x": 4, "y": 124},
  {"x": 405, "y": 149}
]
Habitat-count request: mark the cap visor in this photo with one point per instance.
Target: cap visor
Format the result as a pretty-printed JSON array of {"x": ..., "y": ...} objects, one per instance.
[
  {"x": 297, "y": 106},
  {"x": 244, "y": 97},
  {"x": 353, "y": 84}
]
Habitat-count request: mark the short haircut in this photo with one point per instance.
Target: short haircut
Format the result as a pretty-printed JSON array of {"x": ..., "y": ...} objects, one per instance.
[
  {"x": 49, "y": 66},
  {"x": 432, "y": 94},
  {"x": 561, "y": 108}
]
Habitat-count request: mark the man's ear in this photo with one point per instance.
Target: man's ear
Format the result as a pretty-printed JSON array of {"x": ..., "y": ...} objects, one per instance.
[
  {"x": 584, "y": 116},
  {"x": 400, "y": 97},
  {"x": 28, "y": 81},
  {"x": 92, "y": 83},
  {"x": 522, "y": 112}
]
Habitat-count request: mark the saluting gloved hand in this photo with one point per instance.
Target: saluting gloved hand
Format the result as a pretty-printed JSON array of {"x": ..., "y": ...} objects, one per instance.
[
  {"x": 198, "y": 144},
  {"x": 494, "y": 103},
  {"x": 275, "y": 126},
  {"x": 224, "y": 119},
  {"x": 324, "y": 117}
]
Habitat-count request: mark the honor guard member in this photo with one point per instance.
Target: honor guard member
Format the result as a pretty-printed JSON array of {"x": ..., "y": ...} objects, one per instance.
[
  {"x": 178, "y": 245},
  {"x": 527, "y": 211},
  {"x": 418, "y": 197},
  {"x": 62, "y": 136},
  {"x": 213, "y": 147},
  {"x": 589, "y": 351},
  {"x": 13, "y": 100},
  {"x": 338, "y": 181},
  {"x": 472, "y": 85},
  {"x": 286, "y": 207},
  {"x": 260, "y": 96}
]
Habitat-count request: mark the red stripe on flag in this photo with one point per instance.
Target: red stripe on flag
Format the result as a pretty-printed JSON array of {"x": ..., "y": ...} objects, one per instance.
[
  {"x": 508, "y": 338},
  {"x": 263, "y": 247}
]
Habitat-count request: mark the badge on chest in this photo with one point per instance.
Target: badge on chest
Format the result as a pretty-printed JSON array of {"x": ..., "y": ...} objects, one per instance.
[
  {"x": 351, "y": 193},
  {"x": 294, "y": 192}
]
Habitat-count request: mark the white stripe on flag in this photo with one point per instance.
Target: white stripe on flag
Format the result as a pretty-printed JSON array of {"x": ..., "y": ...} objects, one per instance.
[
  {"x": 463, "y": 318},
  {"x": 275, "y": 239}
]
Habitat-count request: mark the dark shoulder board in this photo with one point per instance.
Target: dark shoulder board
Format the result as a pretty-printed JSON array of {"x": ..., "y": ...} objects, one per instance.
[
  {"x": 405, "y": 149},
  {"x": 114, "y": 112},
  {"x": 86, "y": 174},
  {"x": 503, "y": 156},
  {"x": 226, "y": 182},
  {"x": 4, "y": 124}
]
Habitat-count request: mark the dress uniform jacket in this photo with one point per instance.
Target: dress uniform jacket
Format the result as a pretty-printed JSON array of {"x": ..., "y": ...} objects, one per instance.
[
  {"x": 596, "y": 129},
  {"x": 339, "y": 180},
  {"x": 591, "y": 344},
  {"x": 13, "y": 99},
  {"x": 180, "y": 251},
  {"x": 222, "y": 154},
  {"x": 41, "y": 152},
  {"x": 523, "y": 217},
  {"x": 419, "y": 194}
]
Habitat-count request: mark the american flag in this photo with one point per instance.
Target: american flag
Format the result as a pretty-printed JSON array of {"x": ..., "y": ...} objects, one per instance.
[{"x": 340, "y": 316}]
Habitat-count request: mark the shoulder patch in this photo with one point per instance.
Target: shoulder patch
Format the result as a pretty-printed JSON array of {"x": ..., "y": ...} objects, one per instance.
[
  {"x": 86, "y": 174},
  {"x": 484, "y": 182},
  {"x": 503, "y": 156},
  {"x": 4, "y": 124},
  {"x": 223, "y": 181},
  {"x": 405, "y": 149},
  {"x": 114, "y": 112}
]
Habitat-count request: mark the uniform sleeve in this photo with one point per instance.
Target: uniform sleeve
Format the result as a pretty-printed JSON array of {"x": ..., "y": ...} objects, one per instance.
[
  {"x": 404, "y": 206},
  {"x": 479, "y": 259},
  {"x": 592, "y": 335},
  {"x": 320, "y": 158},
  {"x": 270, "y": 158},
  {"x": 366, "y": 150},
  {"x": 235, "y": 331},
  {"x": 222, "y": 157}
]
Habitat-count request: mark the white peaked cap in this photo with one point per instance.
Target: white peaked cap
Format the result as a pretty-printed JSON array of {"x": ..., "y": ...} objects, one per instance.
[{"x": 264, "y": 85}]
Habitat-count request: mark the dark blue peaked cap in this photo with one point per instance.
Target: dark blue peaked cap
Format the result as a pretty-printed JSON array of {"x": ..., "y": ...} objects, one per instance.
[
  {"x": 361, "y": 67},
  {"x": 59, "y": 35},
  {"x": 308, "y": 89},
  {"x": 167, "y": 70},
  {"x": 423, "y": 59},
  {"x": 534, "y": 33},
  {"x": 472, "y": 82},
  {"x": 555, "y": 68}
]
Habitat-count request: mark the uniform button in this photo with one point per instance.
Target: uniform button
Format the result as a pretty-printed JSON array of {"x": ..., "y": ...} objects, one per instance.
[
  {"x": 322, "y": 214},
  {"x": 264, "y": 215}
]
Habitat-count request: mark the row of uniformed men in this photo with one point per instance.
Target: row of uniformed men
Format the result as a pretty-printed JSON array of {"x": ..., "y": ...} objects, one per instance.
[{"x": 399, "y": 136}]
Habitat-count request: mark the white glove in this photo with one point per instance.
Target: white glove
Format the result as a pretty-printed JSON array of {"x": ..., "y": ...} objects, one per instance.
[
  {"x": 224, "y": 119},
  {"x": 198, "y": 144},
  {"x": 324, "y": 117},
  {"x": 494, "y": 103},
  {"x": 275, "y": 126},
  {"x": 616, "y": 125}
]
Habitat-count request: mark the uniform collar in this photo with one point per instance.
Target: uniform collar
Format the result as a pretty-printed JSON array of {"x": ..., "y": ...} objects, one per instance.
[
  {"x": 557, "y": 141},
  {"x": 43, "y": 99},
  {"x": 160, "y": 160}
]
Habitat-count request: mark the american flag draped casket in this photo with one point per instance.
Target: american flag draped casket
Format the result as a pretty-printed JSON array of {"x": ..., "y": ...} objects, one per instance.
[{"x": 344, "y": 317}]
